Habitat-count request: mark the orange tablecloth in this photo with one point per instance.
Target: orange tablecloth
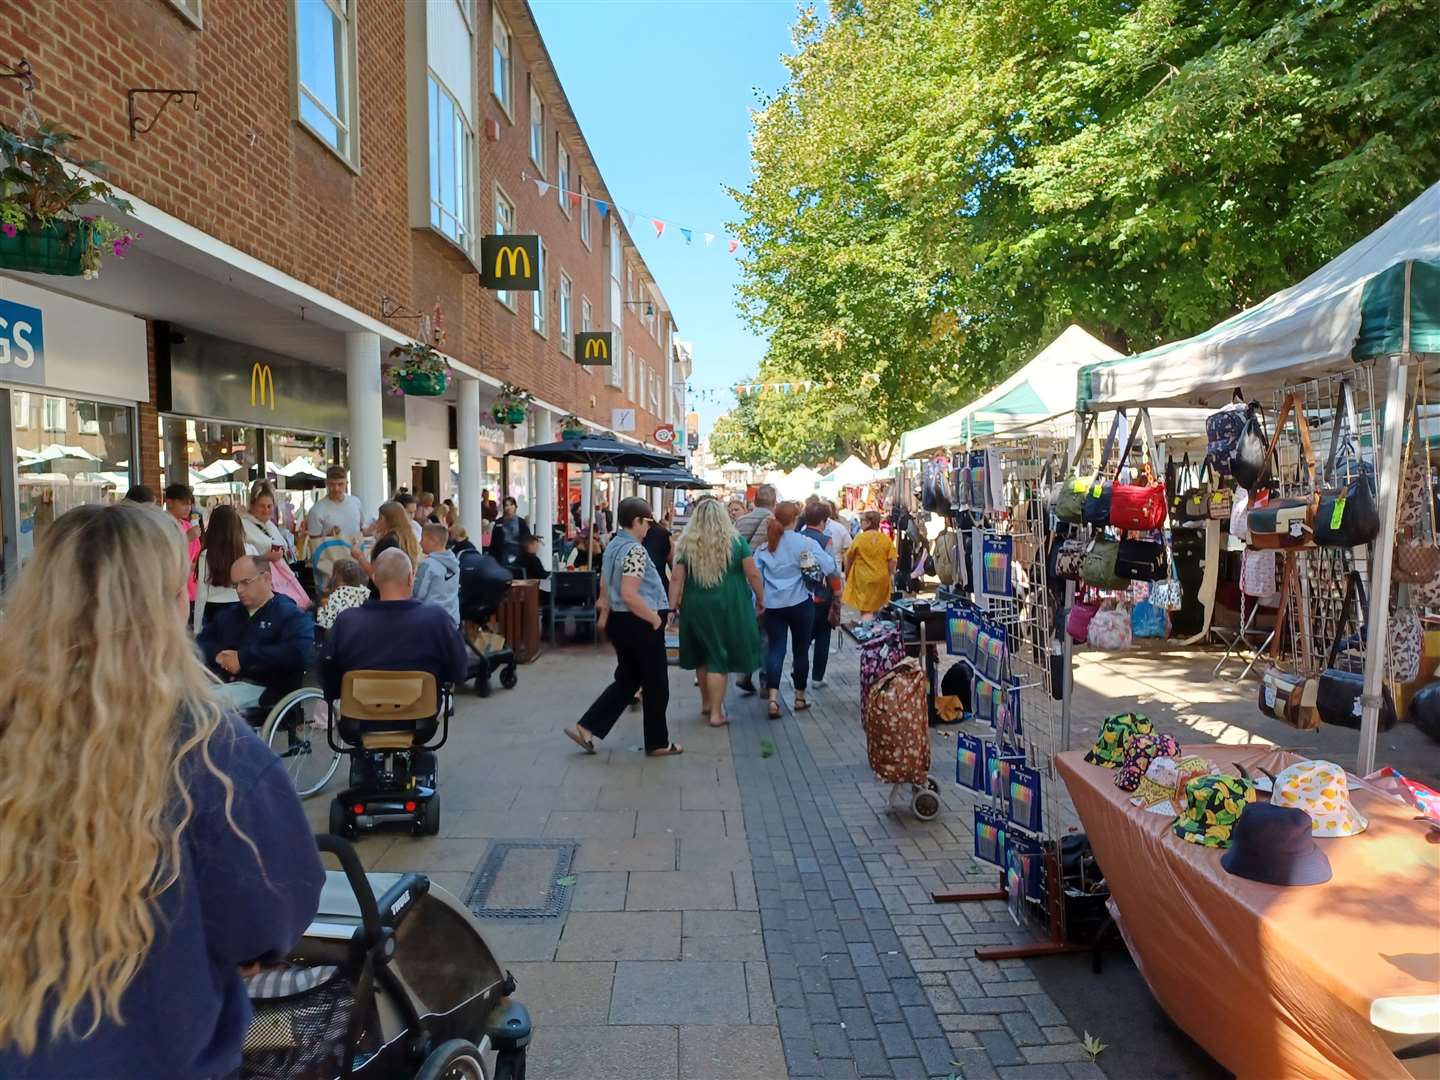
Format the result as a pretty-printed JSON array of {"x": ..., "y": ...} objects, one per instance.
[{"x": 1272, "y": 982}]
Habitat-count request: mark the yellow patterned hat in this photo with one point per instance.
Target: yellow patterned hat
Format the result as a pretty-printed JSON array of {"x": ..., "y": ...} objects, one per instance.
[
  {"x": 1319, "y": 788},
  {"x": 1162, "y": 789},
  {"x": 1212, "y": 807}
]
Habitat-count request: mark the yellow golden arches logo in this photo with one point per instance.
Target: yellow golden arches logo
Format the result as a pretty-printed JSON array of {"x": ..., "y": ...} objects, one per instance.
[
  {"x": 595, "y": 348},
  {"x": 262, "y": 384},
  {"x": 515, "y": 255}
]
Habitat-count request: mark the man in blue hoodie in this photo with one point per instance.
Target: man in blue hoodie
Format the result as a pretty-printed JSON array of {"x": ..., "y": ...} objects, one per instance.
[
  {"x": 437, "y": 578},
  {"x": 261, "y": 646}
]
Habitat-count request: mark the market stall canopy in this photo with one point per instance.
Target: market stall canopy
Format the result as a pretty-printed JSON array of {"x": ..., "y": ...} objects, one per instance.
[
  {"x": 851, "y": 472},
  {"x": 56, "y": 452},
  {"x": 796, "y": 484},
  {"x": 597, "y": 450},
  {"x": 1352, "y": 308},
  {"x": 1040, "y": 389},
  {"x": 301, "y": 466},
  {"x": 220, "y": 469}
]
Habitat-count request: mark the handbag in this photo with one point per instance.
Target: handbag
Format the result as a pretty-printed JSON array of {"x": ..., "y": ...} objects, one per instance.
[
  {"x": 1347, "y": 515},
  {"x": 1168, "y": 593},
  {"x": 1192, "y": 504},
  {"x": 287, "y": 584},
  {"x": 1286, "y": 695},
  {"x": 1257, "y": 572},
  {"x": 1239, "y": 514},
  {"x": 1070, "y": 504},
  {"x": 1287, "y": 521},
  {"x": 1140, "y": 560},
  {"x": 1069, "y": 558},
  {"x": 1077, "y": 621},
  {"x": 1338, "y": 694},
  {"x": 1417, "y": 561},
  {"x": 1097, "y": 503},
  {"x": 1222, "y": 433},
  {"x": 1404, "y": 645},
  {"x": 1110, "y": 628},
  {"x": 1149, "y": 620},
  {"x": 1137, "y": 507},
  {"x": 1249, "y": 459},
  {"x": 1098, "y": 567}
]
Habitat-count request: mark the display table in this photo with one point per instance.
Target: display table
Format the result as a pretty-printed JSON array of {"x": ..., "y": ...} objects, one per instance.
[
  {"x": 519, "y": 618},
  {"x": 1272, "y": 982}
]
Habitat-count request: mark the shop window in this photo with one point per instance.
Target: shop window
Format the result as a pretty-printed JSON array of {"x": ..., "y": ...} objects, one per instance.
[
  {"x": 539, "y": 307},
  {"x": 504, "y": 225},
  {"x": 54, "y": 414},
  {"x": 451, "y": 148},
  {"x": 325, "y": 73},
  {"x": 500, "y": 72},
  {"x": 584, "y": 215},
  {"x": 565, "y": 320},
  {"x": 537, "y": 131},
  {"x": 21, "y": 409}
]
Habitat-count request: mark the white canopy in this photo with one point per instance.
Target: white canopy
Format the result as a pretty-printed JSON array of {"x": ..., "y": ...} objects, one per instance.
[
  {"x": 57, "y": 452},
  {"x": 796, "y": 484},
  {"x": 219, "y": 469},
  {"x": 1301, "y": 331},
  {"x": 1042, "y": 388},
  {"x": 850, "y": 473},
  {"x": 301, "y": 466}
]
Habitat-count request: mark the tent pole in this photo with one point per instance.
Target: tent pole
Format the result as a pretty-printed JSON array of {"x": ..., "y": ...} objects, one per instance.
[
  {"x": 1067, "y": 647},
  {"x": 1377, "y": 622}
]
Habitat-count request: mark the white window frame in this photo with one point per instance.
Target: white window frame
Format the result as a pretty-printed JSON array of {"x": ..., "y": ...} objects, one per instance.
[
  {"x": 566, "y": 312},
  {"x": 616, "y": 374},
  {"x": 20, "y": 401},
  {"x": 563, "y": 179},
  {"x": 539, "y": 302},
  {"x": 191, "y": 11},
  {"x": 537, "y": 130},
  {"x": 467, "y": 12},
  {"x": 585, "y": 216},
  {"x": 500, "y": 31},
  {"x": 349, "y": 149},
  {"x": 629, "y": 283},
  {"x": 465, "y": 156},
  {"x": 503, "y": 201},
  {"x": 47, "y": 406},
  {"x": 630, "y": 374},
  {"x": 587, "y": 314}
]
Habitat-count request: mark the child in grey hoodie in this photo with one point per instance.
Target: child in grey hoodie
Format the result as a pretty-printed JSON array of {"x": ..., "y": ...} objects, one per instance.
[{"x": 437, "y": 578}]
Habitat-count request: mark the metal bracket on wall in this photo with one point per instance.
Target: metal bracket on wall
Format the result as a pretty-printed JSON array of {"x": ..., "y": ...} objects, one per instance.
[
  {"x": 138, "y": 124},
  {"x": 20, "y": 70}
]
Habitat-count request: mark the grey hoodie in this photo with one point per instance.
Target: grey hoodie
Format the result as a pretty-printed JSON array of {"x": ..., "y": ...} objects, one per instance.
[{"x": 437, "y": 581}]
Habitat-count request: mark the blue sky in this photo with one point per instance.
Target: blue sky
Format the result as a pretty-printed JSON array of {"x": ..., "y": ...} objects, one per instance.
[{"x": 666, "y": 111}]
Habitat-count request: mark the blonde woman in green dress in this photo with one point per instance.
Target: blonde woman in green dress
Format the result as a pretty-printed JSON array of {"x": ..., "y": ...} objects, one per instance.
[{"x": 717, "y": 591}]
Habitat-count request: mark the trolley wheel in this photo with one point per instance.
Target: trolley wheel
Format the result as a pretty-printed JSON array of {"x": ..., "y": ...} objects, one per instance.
[
  {"x": 296, "y": 730},
  {"x": 932, "y": 785},
  {"x": 340, "y": 820},
  {"x": 510, "y": 1065},
  {"x": 925, "y": 804},
  {"x": 508, "y": 678},
  {"x": 453, "y": 1060},
  {"x": 427, "y": 821}
]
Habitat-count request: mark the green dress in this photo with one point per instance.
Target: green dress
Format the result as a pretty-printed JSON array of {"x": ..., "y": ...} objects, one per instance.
[{"x": 717, "y": 625}]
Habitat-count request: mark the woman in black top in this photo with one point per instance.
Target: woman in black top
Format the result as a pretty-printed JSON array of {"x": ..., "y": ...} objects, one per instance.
[{"x": 508, "y": 536}]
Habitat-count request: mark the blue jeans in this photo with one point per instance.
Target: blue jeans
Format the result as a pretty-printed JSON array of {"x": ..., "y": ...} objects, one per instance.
[{"x": 797, "y": 621}]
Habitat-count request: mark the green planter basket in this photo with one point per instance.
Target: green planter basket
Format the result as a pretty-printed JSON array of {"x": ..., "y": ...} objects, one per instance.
[
  {"x": 515, "y": 415},
  {"x": 422, "y": 383},
  {"x": 572, "y": 433},
  {"x": 46, "y": 250}
]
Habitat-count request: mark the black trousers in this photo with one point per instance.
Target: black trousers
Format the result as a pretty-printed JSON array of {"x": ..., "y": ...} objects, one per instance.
[{"x": 640, "y": 664}]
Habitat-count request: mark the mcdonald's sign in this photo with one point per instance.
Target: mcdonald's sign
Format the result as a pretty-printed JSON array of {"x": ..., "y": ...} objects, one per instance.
[
  {"x": 510, "y": 262},
  {"x": 594, "y": 348},
  {"x": 262, "y": 385}
]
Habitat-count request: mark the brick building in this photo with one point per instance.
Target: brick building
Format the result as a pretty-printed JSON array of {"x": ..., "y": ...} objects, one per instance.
[{"x": 319, "y": 203}]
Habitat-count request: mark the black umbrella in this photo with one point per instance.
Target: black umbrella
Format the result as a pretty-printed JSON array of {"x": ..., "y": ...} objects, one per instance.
[{"x": 676, "y": 477}]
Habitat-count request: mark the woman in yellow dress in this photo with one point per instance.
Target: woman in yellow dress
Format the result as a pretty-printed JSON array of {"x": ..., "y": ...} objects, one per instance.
[{"x": 870, "y": 567}]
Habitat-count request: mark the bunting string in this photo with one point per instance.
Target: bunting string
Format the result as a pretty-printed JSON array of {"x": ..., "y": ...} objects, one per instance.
[{"x": 604, "y": 207}]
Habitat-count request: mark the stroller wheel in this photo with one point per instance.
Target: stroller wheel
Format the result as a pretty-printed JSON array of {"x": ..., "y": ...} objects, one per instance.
[
  {"x": 925, "y": 804},
  {"x": 453, "y": 1060},
  {"x": 931, "y": 784}
]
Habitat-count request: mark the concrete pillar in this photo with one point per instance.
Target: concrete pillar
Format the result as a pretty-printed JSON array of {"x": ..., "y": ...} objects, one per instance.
[
  {"x": 467, "y": 439},
  {"x": 544, "y": 520},
  {"x": 363, "y": 396}
]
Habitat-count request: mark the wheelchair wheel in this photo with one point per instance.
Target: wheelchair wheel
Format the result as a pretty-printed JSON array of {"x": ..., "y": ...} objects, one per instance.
[
  {"x": 508, "y": 678},
  {"x": 295, "y": 730},
  {"x": 453, "y": 1060}
]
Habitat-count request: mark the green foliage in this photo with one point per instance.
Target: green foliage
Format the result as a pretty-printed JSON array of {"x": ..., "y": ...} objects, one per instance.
[{"x": 941, "y": 188}]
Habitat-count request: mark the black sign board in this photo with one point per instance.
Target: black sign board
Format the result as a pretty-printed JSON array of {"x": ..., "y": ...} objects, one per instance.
[
  {"x": 510, "y": 262},
  {"x": 595, "y": 348}
]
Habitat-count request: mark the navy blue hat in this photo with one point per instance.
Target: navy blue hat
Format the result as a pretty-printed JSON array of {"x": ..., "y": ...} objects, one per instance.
[{"x": 1272, "y": 844}]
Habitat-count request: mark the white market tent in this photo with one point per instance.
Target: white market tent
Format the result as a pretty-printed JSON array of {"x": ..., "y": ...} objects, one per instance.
[
  {"x": 1041, "y": 389},
  {"x": 1378, "y": 301},
  {"x": 851, "y": 472},
  {"x": 796, "y": 484}
]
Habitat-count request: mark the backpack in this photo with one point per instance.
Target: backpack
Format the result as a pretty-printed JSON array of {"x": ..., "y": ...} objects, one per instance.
[
  {"x": 1222, "y": 432},
  {"x": 947, "y": 567}
]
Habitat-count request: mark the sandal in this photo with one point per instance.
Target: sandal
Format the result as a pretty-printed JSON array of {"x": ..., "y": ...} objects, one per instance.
[
  {"x": 573, "y": 734},
  {"x": 774, "y": 709},
  {"x": 669, "y": 751},
  {"x": 800, "y": 703}
]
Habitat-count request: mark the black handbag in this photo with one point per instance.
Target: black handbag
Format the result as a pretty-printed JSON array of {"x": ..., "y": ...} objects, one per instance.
[
  {"x": 1097, "y": 503},
  {"x": 1250, "y": 461},
  {"x": 1337, "y": 697},
  {"x": 1347, "y": 515},
  {"x": 1141, "y": 560}
]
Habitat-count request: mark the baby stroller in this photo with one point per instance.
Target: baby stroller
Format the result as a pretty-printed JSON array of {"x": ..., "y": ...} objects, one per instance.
[
  {"x": 391, "y": 988},
  {"x": 483, "y": 585}
]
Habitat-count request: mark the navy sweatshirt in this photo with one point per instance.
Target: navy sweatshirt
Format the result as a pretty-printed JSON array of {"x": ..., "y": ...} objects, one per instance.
[
  {"x": 186, "y": 1011},
  {"x": 394, "y": 635}
]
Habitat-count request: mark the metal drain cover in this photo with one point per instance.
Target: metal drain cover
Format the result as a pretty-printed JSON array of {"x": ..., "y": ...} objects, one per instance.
[{"x": 520, "y": 879}]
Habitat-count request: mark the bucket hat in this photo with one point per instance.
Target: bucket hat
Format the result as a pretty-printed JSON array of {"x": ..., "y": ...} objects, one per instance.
[
  {"x": 1109, "y": 748},
  {"x": 1162, "y": 789},
  {"x": 1319, "y": 788},
  {"x": 1212, "y": 807},
  {"x": 1272, "y": 844},
  {"x": 1140, "y": 751}
]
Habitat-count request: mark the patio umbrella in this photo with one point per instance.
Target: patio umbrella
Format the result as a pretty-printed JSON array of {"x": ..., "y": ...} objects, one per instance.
[
  {"x": 677, "y": 477},
  {"x": 220, "y": 468},
  {"x": 58, "y": 458}
]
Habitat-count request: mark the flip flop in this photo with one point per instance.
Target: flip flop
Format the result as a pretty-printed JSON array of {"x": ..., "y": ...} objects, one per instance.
[
  {"x": 573, "y": 734},
  {"x": 669, "y": 751}
]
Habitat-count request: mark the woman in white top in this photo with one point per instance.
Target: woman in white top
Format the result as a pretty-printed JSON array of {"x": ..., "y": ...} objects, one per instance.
[
  {"x": 261, "y": 532},
  {"x": 224, "y": 542}
]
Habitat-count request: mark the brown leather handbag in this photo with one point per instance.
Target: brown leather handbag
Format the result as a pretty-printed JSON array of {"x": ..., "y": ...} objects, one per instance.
[
  {"x": 1288, "y": 521},
  {"x": 1288, "y": 696}
]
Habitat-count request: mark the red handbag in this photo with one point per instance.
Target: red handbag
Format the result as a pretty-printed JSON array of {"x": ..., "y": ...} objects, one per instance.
[{"x": 1137, "y": 507}]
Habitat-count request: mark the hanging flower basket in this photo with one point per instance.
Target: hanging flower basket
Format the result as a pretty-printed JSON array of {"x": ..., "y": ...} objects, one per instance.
[
  {"x": 572, "y": 427},
  {"x": 46, "y": 249},
  {"x": 422, "y": 383},
  {"x": 419, "y": 372},
  {"x": 512, "y": 405}
]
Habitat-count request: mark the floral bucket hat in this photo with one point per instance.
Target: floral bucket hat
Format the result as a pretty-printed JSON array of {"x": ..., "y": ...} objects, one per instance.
[
  {"x": 1162, "y": 789},
  {"x": 1212, "y": 807},
  {"x": 1115, "y": 732},
  {"x": 1140, "y": 751},
  {"x": 1319, "y": 788}
]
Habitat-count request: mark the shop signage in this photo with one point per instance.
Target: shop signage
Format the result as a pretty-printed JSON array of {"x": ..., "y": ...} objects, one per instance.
[
  {"x": 22, "y": 343},
  {"x": 594, "y": 347},
  {"x": 217, "y": 379},
  {"x": 510, "y": 262},
  {"x": 622, "y": 419},
  {"x": 665, "y": 434}
]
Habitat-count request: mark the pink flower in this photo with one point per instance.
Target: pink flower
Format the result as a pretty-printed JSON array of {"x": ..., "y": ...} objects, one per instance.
[{"x": 8, "y": 229}]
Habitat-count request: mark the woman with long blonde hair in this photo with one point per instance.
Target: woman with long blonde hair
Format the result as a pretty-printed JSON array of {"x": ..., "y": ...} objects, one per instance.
[
  {"x": 717, "y": 591},
  {"x": 392, "y": 530},
  {"x": 149, "y": 845}
]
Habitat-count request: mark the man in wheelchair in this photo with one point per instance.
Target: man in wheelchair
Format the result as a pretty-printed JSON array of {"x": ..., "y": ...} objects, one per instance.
[
  {"x": 259, "y": 647},
  {"x": 387, "y": 723}
]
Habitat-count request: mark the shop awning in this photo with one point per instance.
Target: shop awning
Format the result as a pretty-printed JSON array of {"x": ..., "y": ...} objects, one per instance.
[{"x": 1352, "y": 308}]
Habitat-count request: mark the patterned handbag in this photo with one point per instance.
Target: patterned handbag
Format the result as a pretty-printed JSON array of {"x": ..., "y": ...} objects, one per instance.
[
  {"x": 1257, "y": 572},
  {"x": 878, "y": 656},
  {"x": 1110, "y": 628},
  {"x": 1417, "y": 561},
  {"x": 1404, "y": 645}
]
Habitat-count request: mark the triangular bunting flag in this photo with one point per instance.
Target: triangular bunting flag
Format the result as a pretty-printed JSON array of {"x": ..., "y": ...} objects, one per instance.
[
  {"x": 602, "y": 206},
  {"x": 659, "y": 226},
  {"x": 733, "y": 245},
  {"x": 542, "y": 186},
  {"x": 686, "y": 233},
  {"x": 709, "y": 238},
  {"x": 630, "y": 218},
  {"x": 574, "y": 200}
]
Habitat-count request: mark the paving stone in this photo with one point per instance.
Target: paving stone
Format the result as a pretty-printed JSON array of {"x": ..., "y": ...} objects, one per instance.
[
  {"x": 976, "y": 1065},
  {"x": 515, "y": 941},
  {"x": 847, "y": 993},
  {"x": 962, "y": 1040},
  {"x": 1044, "y": 1010},
  {"x": 618, "y": 824},
  {"x": 1024, "y": 1030},
  {"x": 830, "y": 1041},
  {"x": 936, "y": 1055},
  {"x": 1062, "y": 1034},
  {"x": 600, "y": 890},
  {"x": 993, "y": 1005},
  {"x": 800, "y": 1058},
  {"x": 1084, "y": 1070},
  {"x": 953, "y": 1022},
  {"x": 863, "y": 954},
  {"x": 757, "y": 985},
  {"x": 724, "y": 1052},
  {"x": 884, "y": 1008},
  {"x": 1054, "y": 1054},
  {"x": 822, "y": 1009},
  {"x": 1000, "y": 1049},
  {"x": 896, "y": 1040},
  {"x": 715, "y": 853},
  {"x": 620, "y": 854},
  {"x": 923, "y": 1024},
  {"x": 679, "y": 992},
  {"x": 910, "y": 1069},
  {"x": 564, "y": 994},
  {"x": 869, "y": 1058},
  {"x": 681, "y": 890},
  {"x": 709, "y": 797},
  {"x": 942, "y": 999},
  {"x": 617, "y": 935},
  {"x": 682, "y": 823},
  {"x": 1015, "y": 989},
  {"x": 793, "y": 1021},
  {"x": 625, "y": 797},
  {"x": 788, "y": 993},
  {"x": 583, "y": 1052},
  {"x": 1028, "y": 1072},
  {"x": 721, "y": 935},
  {"x": 858, "y": 1023}
]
